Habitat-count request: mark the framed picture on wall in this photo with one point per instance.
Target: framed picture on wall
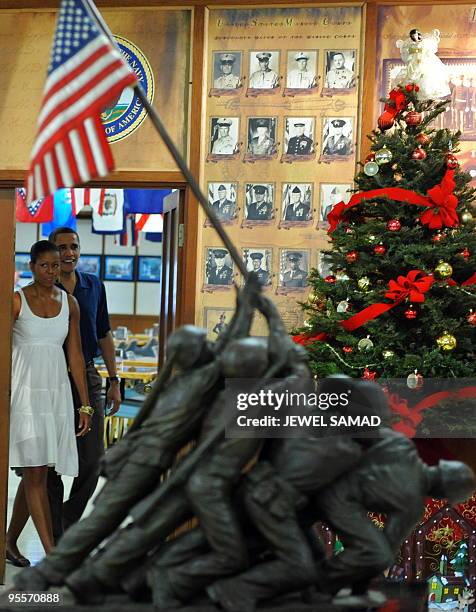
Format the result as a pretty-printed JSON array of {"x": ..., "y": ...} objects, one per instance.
[
  {"x": 119, "y": 268},
  {"x": 90, "y": 264},
  {"x": 22, "y": 265},
  {"x": 149, "y": 269}
]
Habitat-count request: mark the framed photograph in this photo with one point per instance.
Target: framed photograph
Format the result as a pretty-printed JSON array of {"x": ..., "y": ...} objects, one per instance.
[
  {"x": 261, "y": 138},
  {"x": 264, "y": 71},
  {"x": 324, "y": 264},
  {"x": 118, "y": 268},
  {"x": 296, "y": 203},
  {"x": 149, "y": 269},
  {"x": 340, "y": 65},
  {"x": 226, "y": 72},
  {"x": 90, "y": 264},
  {"x": 216, "y": 321},
  {"x": 224, "y": 135},
  {"x": 219, "y": 268},
  {"x": 301, "y": 71},
  {"x": 299, "y": 140},
  {"x": 259, "y": 261},
  {"x": 337, "y": 138},
  {"x": 293, "y": 270},
  {"x": 259, "y": 202},
  {"x": 222, "y": 198},
  {"x": 22, "y": 265},
  {"x": 330, "y": 195}
]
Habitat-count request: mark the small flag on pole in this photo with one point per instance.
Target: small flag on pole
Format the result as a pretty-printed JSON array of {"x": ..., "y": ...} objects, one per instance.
[{"x": 86, "y": 74}]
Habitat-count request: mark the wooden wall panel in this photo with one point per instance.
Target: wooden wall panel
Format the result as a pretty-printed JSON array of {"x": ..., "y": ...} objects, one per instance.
[{"x": 7, "y": 268}]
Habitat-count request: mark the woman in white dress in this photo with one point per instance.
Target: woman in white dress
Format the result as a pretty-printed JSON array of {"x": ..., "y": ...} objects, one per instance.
[{"x": 42, "y": 413}]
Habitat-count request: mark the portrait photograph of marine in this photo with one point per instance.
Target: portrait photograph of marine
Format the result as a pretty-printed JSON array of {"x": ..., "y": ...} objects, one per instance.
[
  {"x": 218, "y": 267},
  {"x": 340, "y": 67},
  {"x": 226, "y": 73},
  {"x": 224, "y": 134},
  {"x": 222, "y": 198},
  {"x": 259, "y": 261},
  {"x": 264, "y": 72},
  {"x": 337, "y": 139},
  {"x": 216, "y": 321},
  {"x": 324, "y": 264},
  {"x": 296, "y": 206},
  {"x": 294, "y": 270},
  {"x": 298, "y": 139},
  {"x": 301, "y": 73},
  {"x": 330, "y": 195},
  {"x": 261, "y": 138},
  {"x": 259, "y": 203}
]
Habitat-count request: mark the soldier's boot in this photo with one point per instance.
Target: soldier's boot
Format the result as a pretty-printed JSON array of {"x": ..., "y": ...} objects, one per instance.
[
  {"x": 163, "y": 596},
  {"x": 86, "y": 588},
  {"x": 231, "y": 599}
]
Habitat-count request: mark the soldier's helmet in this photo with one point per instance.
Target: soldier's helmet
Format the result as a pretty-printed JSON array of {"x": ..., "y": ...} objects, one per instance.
[
  {"x": 186, "y": 345},
  {"x": 245, "y": 358},
  {"x": 456, "y": 482}
]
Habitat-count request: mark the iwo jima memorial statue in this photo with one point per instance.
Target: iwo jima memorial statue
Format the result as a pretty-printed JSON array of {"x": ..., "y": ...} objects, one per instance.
[{"x": 255, "y": 499}]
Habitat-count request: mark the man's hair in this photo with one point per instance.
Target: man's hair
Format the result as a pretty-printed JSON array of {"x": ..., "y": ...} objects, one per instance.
[
  {"x": 40, "y": 247},
  {"x": 62, "y": 230}
]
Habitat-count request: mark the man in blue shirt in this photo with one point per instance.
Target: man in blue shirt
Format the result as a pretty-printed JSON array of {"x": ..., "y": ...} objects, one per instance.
[{"x": 96, "y": 338}]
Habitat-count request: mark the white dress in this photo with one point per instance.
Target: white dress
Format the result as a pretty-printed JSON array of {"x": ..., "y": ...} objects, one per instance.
[{"x": 42, "y": 411}]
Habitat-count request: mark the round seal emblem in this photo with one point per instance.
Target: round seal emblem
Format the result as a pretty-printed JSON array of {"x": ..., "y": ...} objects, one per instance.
[{"x": 128, "y": 111}]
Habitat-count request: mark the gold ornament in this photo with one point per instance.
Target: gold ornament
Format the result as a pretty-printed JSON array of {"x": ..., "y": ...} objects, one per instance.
[
  {"x": 388, "y": 354},
  {"x": 446, "y": 342},
  {"x": 364, "y": 283},
  {"x": 466, "y": 217},
  {"x": 317, "y": 300},
  {"x": 443, "y": 270},
  {"x": 397, "y": 177},
  {"x": 365, "y": 344}
]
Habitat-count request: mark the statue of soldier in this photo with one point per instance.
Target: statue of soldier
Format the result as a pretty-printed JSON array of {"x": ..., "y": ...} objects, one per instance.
[{"x": 134, "y": 467}]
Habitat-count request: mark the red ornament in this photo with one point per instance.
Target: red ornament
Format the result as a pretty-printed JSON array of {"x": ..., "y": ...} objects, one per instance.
[
  {"x": 465, "y": 253},
  {"x": 471, "y": 318},
  {"x": 394, "y": 225},
  {"x": 423, "y": 139},
  {"x": 409, "y": 87},
  {"x": 370, "y": 157},
  {"x": 419, "y": 154},
  {"x": 348, "y": 349},
  {"x": 413, "y": 118},
  {"x": 438, "y": 237},
  {"x": 385, "y": 122},
  {"x": 349, "y": 230},
  {"x": 416, "y": 87},
  {"x": 451, "y": 161},
  {"x": 380, "y": 249},
  {"x": 369, "y": 374},
  {"x": 331, "y": 279},
  {"x": 410, "y": 313},
  {"x": 352, "y": 256}
]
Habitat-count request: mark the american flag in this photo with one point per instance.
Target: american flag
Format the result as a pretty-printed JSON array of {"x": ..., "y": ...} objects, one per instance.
[
  {"x": 86, "y": 74},
  {"x": 38, "y": 211}
]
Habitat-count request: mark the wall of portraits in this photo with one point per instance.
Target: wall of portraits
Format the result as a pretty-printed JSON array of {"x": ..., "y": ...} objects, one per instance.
[
  {"x": 280, "y": 143},
  {"x": 457, "y": 50}
]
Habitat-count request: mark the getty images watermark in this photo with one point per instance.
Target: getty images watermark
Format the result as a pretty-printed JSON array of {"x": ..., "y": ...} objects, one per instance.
[{"x": 280, "y": 409}]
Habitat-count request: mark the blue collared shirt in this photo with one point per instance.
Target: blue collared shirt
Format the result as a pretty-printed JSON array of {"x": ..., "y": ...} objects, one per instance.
[{"x": 94, "y": 317}]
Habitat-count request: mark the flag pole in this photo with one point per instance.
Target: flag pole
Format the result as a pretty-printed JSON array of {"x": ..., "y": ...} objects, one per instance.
[{"x": 179, "y": 160}]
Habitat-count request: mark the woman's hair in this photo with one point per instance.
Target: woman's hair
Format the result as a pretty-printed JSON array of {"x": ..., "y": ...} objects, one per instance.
[{"x": 40, "y": 247}]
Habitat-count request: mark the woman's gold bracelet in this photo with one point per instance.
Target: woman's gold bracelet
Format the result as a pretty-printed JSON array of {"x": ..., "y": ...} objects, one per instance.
[{"x": 86, "y": 410}]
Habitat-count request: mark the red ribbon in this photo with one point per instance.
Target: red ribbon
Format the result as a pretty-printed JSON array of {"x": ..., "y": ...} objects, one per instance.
[
  {"x": 398, "y": 102},
  {"x": 412, "y": 417},
  {"x": 413, "y": 286},
  {"x": 440, "y": 199}
]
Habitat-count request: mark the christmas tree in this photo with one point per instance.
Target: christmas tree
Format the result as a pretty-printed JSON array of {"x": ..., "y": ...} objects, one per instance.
[
  {"x": 459, "y": 563},
  {"x": 400, "y": 299}
]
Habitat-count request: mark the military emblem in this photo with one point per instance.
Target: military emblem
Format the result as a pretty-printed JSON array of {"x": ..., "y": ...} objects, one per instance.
[{"x": 128, "y": 113}]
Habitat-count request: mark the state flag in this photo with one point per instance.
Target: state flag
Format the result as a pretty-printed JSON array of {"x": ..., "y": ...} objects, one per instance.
[{"x": 64, "y": 214}]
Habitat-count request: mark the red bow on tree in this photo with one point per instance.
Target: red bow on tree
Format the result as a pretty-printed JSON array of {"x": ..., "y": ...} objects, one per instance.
[
  {"x": 414, "y": 286},
  {"x": 443, "y": 204},
  {"x": 398, "y": 103}
]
